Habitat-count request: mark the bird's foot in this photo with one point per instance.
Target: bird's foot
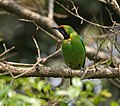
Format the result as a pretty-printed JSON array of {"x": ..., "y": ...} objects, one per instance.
[{"x": 82, "y": 69}]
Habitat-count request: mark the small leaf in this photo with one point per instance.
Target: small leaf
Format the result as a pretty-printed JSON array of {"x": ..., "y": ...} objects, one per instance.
[
  {"x": 74, "y": 92},
  {"x": 109, "y": 62},
  {"x": 89, "y": 86},
  {"x": 105, "y": 93},
  {"x": 99, "y": 99},
  {"x": 113, "y": 103},
  {"x": 47, "y": 88},
  {"x": 62, "y": 92},
  {"x": 40, "y": 85},
  {"x": 77, "y": 82},
  {"x": 63, "y": 104}
]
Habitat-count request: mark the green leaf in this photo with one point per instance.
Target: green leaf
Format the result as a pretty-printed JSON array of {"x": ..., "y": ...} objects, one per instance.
[
  {"x": 63, "y": 104},
  {"x": 89, "y": 86},
  {"x": 109, "y": 62},
  {"x": 27, "y": 99},
  {"x": 47, "y": 88},
  {"x": 40, "y": 85},
  {"x": 105, "y": 93},
  {"x": 87, "y": 102},
  {"x": 77, "y": 82},
  {"x": 73, "y": 92},
  {"x": 4, "y": 91},
  {"x": 62, "y": 92},
  {"x": 114, "y": 103},
  {"x": 98, "y": 99}
]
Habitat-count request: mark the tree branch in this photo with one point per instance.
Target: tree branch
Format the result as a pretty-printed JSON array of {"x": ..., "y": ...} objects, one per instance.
[
  {"x": 76, "y": 14},
  {"x": 37, "y": 70},
  {"x": 50, "y": 9},
  {"x": 91, "y": 52},
  {"x": 114, "y": 4},
  {"x": 46, "y": 22},
  {"x": 6, "y": 51},
  {"x": 43, "y": 71}
]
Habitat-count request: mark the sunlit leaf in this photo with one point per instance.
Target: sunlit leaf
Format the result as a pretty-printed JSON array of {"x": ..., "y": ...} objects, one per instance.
[
  {"x": 89, "y": 86},
  {"x": 63, "y": 104},
  {"x": 105, "y": 93},
  {"x": 109, "y": 62},
  {"x": 40, "y": 85},
  {"x": 98, "y": 99},
  {"x": 47, "y": 88},
  {"x": 114, "y": 103},
  {"x": 76, "y": 82},
  {"x": 73, "y": 92}
]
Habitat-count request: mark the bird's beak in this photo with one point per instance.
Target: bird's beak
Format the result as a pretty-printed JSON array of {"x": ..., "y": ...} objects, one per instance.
[{"x": 55, "y": 28}]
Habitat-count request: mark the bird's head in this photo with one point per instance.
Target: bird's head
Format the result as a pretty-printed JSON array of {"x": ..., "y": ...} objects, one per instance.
[{"x": 65, "y": 30}]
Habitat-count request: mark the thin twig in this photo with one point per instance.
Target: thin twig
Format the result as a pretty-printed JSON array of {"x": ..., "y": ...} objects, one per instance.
[
  {"x": 7, "y": 70},
  {"x": 80, "y": 17},
  {"x": 38, "y": 27},
  {"x": 101, "y": 46},
  {"x": 50, "y": 8},
  {"x": 117, "y": 48},
  {"x": 6, "y": 51},
  {"x": 23, "y": 12},
  {"x": 38, "y": 49},
  {"x": 50, "y": 56},
  {"x": 5, "y": 73},
  {"x": 38, "y": 60},
  {"x": 29, "y": 70},
  {"x": 8, "y": 56},
  {"x": 37, "y": 2},
  {"x": 4, "y": 46},
  {"x": 18, "y": 64}
]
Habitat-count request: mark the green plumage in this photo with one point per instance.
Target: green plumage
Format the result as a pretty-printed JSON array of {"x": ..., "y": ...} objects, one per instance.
[
  {"x": 74, "y": 53},
  {"x": 73, "y": 48}
]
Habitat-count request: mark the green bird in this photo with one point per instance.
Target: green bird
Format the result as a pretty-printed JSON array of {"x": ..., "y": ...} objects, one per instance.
[{"x": 73, "y": 48}]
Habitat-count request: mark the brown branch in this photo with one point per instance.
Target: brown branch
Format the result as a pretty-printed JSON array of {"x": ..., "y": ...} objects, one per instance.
[
  {"x": 6, "y": 51},
  {"x": 37, "y": 70},
  {"x": 91, "y": 53},
  {"x": 38, "y": 5},
  {"x": 38, "y": 27},
  {"x": 114, "y": 4},
  {"x": 80, "y": 17},
  {"x": 50, "y": 9},
  {"x": 43, "y": 60},
  {"x": 43, "y": 71},
  {"x": 37, "y": 47},
  {"x": 43, "y": 21}
]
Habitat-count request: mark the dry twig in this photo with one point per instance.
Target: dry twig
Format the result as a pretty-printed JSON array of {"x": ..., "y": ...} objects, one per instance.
[
  {"x": 114, "y": 4},
  {"x": 38, "y": 27},
  {"x": 76, "y": 14},
  {"x": 43, "y": 71},
  {"x": 50, "y": 9},
  {"x": 6, "y": 51},
  {"x": 23, "y": 12}
]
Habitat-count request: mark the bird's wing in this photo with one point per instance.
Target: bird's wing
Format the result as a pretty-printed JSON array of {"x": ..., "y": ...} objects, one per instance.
[{"x": 84, "y": 50}]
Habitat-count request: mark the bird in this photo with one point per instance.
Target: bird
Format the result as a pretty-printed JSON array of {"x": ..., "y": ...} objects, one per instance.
[{"x": 73, "y": 48}]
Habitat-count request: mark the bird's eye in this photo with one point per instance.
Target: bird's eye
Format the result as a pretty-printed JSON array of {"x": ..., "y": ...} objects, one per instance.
[
  {"x": 64, "y": 33},
  {"x": 62, "y": 30}
]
